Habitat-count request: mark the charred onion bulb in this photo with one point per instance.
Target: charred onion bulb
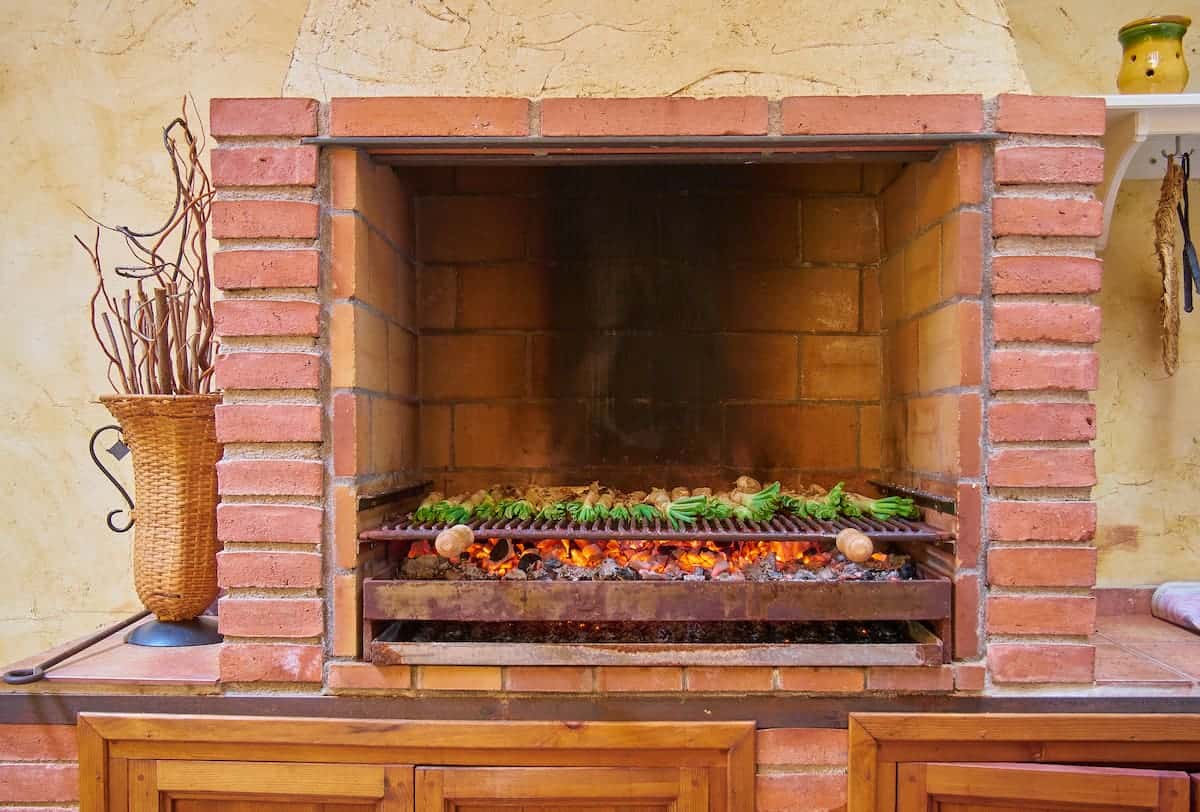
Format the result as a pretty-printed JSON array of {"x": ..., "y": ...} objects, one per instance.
[
  {"x": 855, "y": 545},
  {"x": 454, "y": 541}
]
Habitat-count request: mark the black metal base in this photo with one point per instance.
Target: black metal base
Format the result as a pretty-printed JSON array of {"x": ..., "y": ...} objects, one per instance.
[{"x": 199, "y": 632}]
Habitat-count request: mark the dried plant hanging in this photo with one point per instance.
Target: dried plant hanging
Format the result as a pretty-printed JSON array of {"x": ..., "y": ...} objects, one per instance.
[
  {"x": 1165, "y": 226},
  {"x": 152, "y": 315}
]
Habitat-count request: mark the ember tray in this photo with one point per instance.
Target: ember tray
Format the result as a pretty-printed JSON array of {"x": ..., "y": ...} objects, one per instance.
[
  {"x": 497, "y": 601},
  {"x": 919, "y": 647},
  {"x": 780, "y": 528}
]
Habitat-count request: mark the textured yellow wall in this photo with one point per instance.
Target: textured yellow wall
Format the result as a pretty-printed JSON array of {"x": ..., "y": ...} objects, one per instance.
[
  {"x": 1148, "y": 448},
  {"x": 84, "y": 88}
]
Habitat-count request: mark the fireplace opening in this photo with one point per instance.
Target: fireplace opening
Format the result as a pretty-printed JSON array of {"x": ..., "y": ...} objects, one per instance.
[{"x": 518, "y": 328}]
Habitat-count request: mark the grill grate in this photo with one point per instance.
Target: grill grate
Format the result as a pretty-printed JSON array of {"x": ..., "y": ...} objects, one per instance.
[{"x": 780, "y": 528}]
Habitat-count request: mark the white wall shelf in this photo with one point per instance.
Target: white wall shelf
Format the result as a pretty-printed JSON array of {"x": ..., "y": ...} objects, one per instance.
[{"x": 1138, "y": 129}]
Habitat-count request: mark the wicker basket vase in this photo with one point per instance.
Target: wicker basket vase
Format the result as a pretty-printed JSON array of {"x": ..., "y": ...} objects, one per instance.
[{"x": 174, "y": 444}]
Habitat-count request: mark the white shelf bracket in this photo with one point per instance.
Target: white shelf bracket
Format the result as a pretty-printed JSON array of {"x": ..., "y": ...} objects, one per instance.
[{"x": 1138, "y": 129}]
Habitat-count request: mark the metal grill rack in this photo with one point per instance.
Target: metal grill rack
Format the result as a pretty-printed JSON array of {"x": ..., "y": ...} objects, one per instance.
[{"x": 780, "y": 528}]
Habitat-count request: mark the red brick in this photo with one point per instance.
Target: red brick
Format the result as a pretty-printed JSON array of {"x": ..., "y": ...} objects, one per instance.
[
  {"x": 970, "y": 435},
  {"x": 553, "y": 679},
  {"x": 970, "y": 676},
  {"x": 1046, "y": 275},
  {"x": 622, "y": 679},
  {"x": 851, "y": 115},
  {"x": 1050, "y": 115},
  {"x": 38, "y": 743},
  {"x": 286, "y": 524},
  {"x": 840, "y": 229},
  {"x": 1041, "y": 662},
  {"x": 345, "y": 433},
  {"x": 743, "y": 679},
  {"x": 734, "y": 115},
  {"x": 268, "y": 423},
  {"x": 39, "y": 783},
  {"x": 270, "y": 477},
  {"x": 1042, "y": 521},
  {"x": 1047, "y": 217},
  {"x": 1025, "y": 370},
  {"x": 1047, "y": 321},
  {"x": 268, "y": 569},
  {"x": 1041, "y": 614},
  {"x": 262, "y": 317},
  {"x": 270, "y": 617},
  {"x": 1012, "y": 422},
  {"x": 368, "y": 677},
  {"x": 345, "y": 634},
  {"x": 910, "y": 679},
  {"x": 472, "y": 229},
  {"x": 966, "y": 616},
  {"x": 265, "y": 166},
  {"x": 234, "y": 117},
  {"x": 821, "y": 680},
  {"x": 1042, "y": 566},
  {"x": 429, "y": 115},
  {"x": 962, "y": 254},
  {"x": 472, "y": 366},
  {"x": 236, "y": 270},
  {"x": 259, "y": 219},
  {"x": 268, "y": 370},
  {"x": 459, "y": 678},
  {"x": 1120, "y": 600},
  {"x": 970, "y": 524},
  {"x": 1050, "y": 165},
  {"x": 802, "y": 745},
  {"x": 780, "y": 792},
  {"x": 1043, "y": 468},
  {"x": 270, "y": 662}
]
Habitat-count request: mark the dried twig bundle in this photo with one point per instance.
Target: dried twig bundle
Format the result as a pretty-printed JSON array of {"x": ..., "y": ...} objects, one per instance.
[
  {"x": 152, "y": 316},
  {"x": 1165, "y": 226}
]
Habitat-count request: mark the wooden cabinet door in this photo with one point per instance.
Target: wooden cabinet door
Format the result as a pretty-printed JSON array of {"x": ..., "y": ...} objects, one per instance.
[
  {"x": 233, "y": 786},
  {"x": 561, "y": 789},
  {"x": 938, "y": 787}
]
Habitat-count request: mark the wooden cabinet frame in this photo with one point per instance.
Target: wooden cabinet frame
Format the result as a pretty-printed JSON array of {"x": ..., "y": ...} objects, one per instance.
[
  {"x": 879, "y": 742},
  {"x": 720, "y": 752}
]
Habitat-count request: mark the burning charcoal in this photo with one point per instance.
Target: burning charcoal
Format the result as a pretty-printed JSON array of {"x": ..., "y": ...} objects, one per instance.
[
  {"x": 529, "y": 560},
  {"x": 651, "y": 575},
  {"x": 826, "y": 574},
  {"x": 515, "y": 574},
  {"x": 698, "y": 575},
  {"x": 473, "y": 573},
  {"x": 552, "y": 564},
  {"x": 424, "y": 568},
  {"x": 570, "y": 572},
  {"x": 607, "y": 571},
  {"x": 626, "y": 574},
  {"x": 908, "y": 571},
  {"x": 853, "y": 572},
  {"x": 501, "y": 551}
]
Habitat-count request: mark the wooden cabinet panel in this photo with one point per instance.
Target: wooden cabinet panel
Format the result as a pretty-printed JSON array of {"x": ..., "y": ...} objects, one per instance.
[
  {"x": 516, "y": 789},
  {"x": 894, "y": 758},
  {"x": 938, "y": 787},
  {"x": 233, "y": 786},
  {"x": 146, "y": 763}
]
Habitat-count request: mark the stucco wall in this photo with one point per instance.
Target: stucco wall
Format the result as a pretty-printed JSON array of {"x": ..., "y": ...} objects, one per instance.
[
  {"x": 85, "y": 87},
  {"x": 1147, "y": 452}
]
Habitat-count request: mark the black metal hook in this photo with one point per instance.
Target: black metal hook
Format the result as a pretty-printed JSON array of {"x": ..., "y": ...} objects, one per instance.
[{"x": 118, "y": 450}]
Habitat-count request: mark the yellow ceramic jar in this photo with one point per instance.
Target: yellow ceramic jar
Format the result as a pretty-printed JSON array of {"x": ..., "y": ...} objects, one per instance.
[{"x": 1153, "y": 61}]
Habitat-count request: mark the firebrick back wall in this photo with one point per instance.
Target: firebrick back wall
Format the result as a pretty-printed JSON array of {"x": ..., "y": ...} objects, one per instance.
[{"x": 649, "y": 325}]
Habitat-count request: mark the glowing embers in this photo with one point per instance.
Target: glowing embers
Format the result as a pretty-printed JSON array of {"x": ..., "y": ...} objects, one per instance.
[{"x": 613, "y": 560}]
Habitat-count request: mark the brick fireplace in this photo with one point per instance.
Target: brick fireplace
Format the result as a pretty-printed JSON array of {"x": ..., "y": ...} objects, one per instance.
[{"x": 812, "y": 289}]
